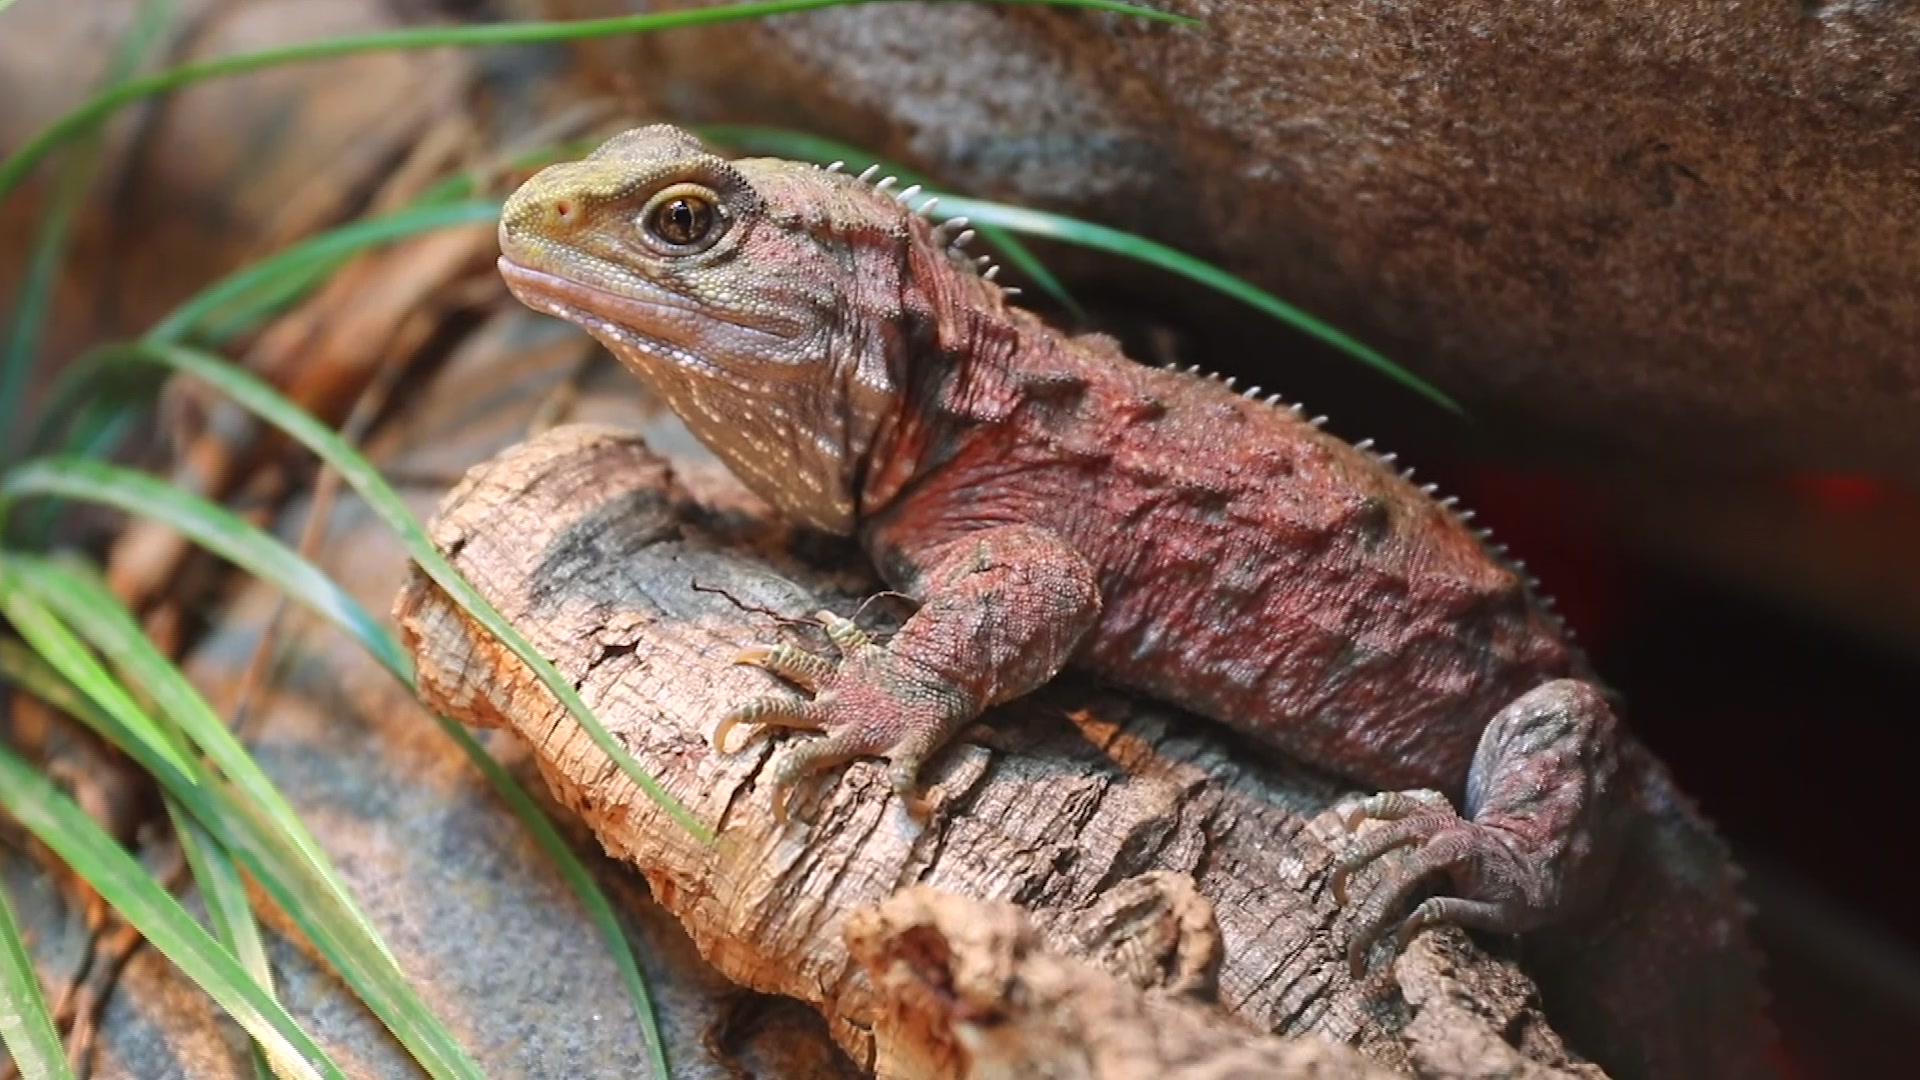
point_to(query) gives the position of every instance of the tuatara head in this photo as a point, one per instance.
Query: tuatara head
(769, 302)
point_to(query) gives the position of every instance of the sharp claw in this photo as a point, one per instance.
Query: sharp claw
(718, 740)
(769, 712)
(1408, 929)
(781, 794)
(755, 655)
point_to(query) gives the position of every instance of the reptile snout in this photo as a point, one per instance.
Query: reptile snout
(546, 207)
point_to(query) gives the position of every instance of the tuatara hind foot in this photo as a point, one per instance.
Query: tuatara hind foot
(1542, 830)
(1443, 843)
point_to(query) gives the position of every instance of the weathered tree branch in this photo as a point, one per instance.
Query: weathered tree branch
(642, 585)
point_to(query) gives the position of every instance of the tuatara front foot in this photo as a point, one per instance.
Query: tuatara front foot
(870, 702)
(1542, 831)
(1001, 609)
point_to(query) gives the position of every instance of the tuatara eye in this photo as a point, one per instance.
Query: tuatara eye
(682, 219)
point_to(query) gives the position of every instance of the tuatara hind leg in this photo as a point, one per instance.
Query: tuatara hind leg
(1000, 612)
(1543, 824)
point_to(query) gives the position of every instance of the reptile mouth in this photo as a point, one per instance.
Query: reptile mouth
(606, 315)
(530, 284)
(592, 305)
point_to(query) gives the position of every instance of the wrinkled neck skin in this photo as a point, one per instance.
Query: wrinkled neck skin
(959, 372)
(831, 417)
(799, 424)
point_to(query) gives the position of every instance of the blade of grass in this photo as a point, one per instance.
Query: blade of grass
(1102, 238)
(332, 244)
(60, 824)
(25, 1025)
(80, 600)
(81, 381)
(23, 160)
(801, 146)
(232, 917)
(273, 860)
(42, 631)
(265, 402)
(50, 239)
(307, 266)
(254, 550)
(213, 527)
(212, 868)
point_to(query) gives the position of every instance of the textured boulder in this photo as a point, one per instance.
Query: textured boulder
(1681, 228)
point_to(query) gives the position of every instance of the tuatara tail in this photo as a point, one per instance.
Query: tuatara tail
(1662, 981)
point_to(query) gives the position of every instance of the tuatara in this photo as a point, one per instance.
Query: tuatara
(1049, 502)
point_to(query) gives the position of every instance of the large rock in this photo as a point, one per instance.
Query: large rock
(1682, 228)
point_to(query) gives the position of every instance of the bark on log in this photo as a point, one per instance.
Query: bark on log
(1107, 819)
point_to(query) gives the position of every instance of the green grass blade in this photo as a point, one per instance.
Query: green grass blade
(226, 900)
(82, 381)
(226, 897)
(259, 553)
(225, 894)
(333, 244)
(1102, 238)
(23, 160)
(801, 146)
(60, 824)
(265, 402)
(336, 929)
(50, 239)
(84, 604)
(43, 630)
(25, 1025)
(213, 527)
(25, 669)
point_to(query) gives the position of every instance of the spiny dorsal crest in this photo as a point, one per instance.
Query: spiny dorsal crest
(953, 234)
(1449, 503)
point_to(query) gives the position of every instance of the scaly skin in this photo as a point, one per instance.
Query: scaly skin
(1050, 503)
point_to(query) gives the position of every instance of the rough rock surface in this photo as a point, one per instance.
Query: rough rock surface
(1677, 227)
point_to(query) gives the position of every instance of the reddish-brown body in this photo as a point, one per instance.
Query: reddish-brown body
(1252, 568)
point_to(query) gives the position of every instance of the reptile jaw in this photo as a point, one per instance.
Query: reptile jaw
(615, 319)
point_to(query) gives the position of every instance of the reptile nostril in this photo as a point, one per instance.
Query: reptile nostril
(563, 209)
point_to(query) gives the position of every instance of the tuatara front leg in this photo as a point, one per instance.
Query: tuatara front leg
(1544, 821)
(1000, 612)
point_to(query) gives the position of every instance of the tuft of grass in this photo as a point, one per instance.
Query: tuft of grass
(263, 401)
(58, 822)
(347, 943)
(252, 549)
